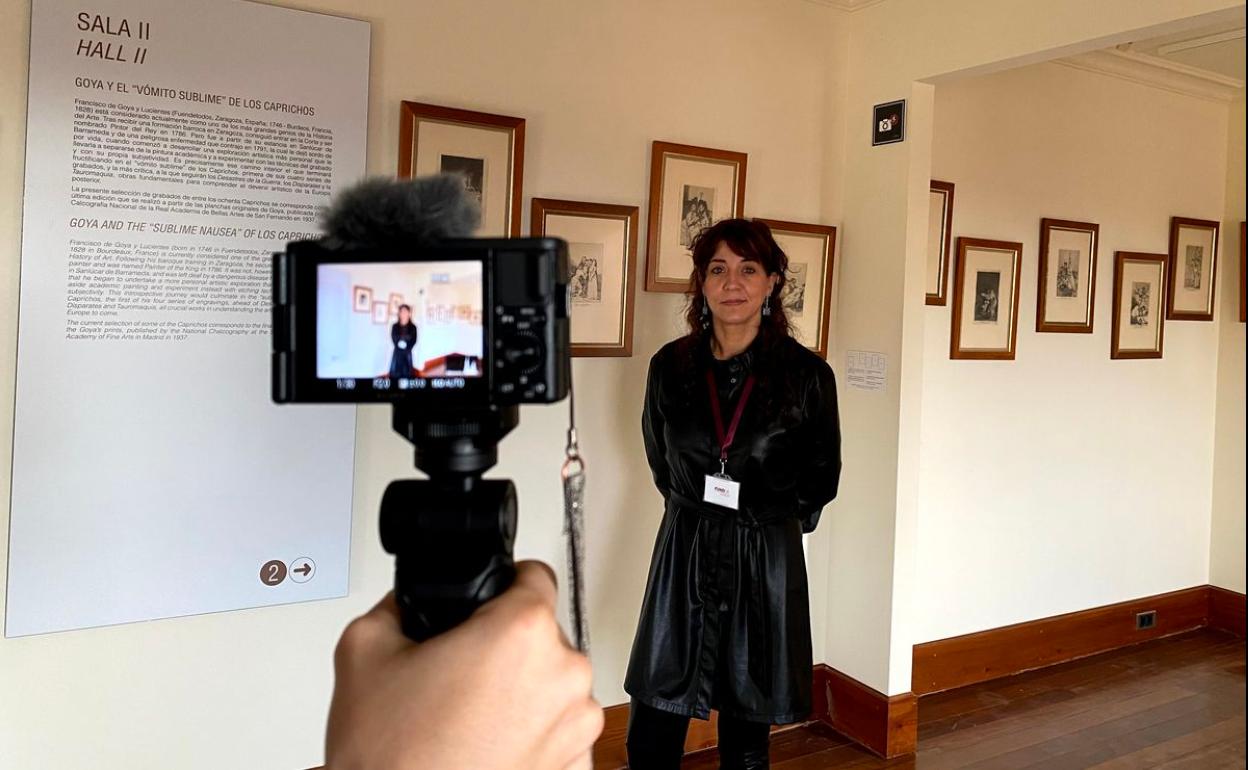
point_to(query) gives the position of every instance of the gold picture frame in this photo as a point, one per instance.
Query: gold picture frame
(690, 189)
(486, 149)
(1140, 296)
(981, 331)
(939, 239)
(602, 254)
(811, 250)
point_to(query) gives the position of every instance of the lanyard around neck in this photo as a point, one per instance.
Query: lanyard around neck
(726, 437)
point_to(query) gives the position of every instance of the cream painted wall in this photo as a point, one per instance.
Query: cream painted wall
(792, 83)
(597, 82)
(1065, 480)
(872, 537)
(1226, 553)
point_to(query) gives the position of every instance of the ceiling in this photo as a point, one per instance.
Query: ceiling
(1217, 50)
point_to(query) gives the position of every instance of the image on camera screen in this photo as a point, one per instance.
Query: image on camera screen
(398, 325)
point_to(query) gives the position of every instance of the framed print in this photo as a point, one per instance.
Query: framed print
(889, 123)
(807, 289)
(362, 299)
(691, 188)
(985, 299)
(396, 301)
(602, 269)
(1066, 285)
(939, 238)
(487, 151)
(381, 313)
(1139, 317)
(1193, 269)
(1243, 278)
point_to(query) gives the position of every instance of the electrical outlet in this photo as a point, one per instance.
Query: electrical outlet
(1145, 620)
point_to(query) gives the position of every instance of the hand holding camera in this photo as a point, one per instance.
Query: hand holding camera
(493, 682)
(466, 698)
(492, 319)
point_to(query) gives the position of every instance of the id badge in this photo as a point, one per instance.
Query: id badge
(722, 491)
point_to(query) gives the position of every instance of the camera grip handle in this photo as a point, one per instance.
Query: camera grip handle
(429, 605)
(453, 548)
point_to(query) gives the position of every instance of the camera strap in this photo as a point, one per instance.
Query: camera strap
(573, 475)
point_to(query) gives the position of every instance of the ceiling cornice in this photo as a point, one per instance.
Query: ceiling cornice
(1225, 36)
(1157, 72)
(846, 5)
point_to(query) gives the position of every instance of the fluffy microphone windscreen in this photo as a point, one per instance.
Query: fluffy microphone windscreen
(392, 212)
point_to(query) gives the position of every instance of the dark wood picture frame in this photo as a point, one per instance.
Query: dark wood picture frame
(1243, 278)
(1047, 225)
(828, 233)
(410, 115)
(959, 287)
(945, 189)
(358, 293)
(659, 151)
(1177, 223)
(630, 215)
(1120, 260)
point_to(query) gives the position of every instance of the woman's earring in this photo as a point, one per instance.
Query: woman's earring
(767, 307)
(706, 314)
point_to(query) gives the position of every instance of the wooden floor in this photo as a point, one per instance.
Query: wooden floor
(1175, 703)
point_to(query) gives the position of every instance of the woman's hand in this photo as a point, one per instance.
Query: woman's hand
(502, 690)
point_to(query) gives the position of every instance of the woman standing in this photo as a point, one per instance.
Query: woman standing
(743, 437)
(403, 334)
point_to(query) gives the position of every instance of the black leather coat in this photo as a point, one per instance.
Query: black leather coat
(725, 622)
(401, 365)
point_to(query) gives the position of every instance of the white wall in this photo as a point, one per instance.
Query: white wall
(894, 50)
(597, 82)
(1065, 480)
(1226, 555)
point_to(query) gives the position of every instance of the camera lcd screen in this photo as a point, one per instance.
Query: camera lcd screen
(400, 326)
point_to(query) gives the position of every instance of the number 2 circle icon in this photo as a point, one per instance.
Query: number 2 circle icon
(273, 572)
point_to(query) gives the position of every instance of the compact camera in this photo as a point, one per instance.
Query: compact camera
(462, 324)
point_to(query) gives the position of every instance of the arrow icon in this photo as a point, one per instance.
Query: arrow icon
(302, 569)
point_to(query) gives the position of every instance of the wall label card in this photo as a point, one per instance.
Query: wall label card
(866, 370)
(171, 148)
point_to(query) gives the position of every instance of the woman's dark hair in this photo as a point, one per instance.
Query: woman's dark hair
(408, 308)
(752, 241)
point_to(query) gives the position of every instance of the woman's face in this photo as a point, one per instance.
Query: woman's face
(405, 316)
(735, 288)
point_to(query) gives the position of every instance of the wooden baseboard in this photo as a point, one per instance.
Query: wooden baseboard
(1226, 610)
(609, 752)
(963, 660)
(886, 725)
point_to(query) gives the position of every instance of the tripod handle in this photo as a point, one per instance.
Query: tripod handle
(452, 549)
(429, 607)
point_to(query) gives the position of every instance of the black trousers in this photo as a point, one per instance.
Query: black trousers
(656, 740)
